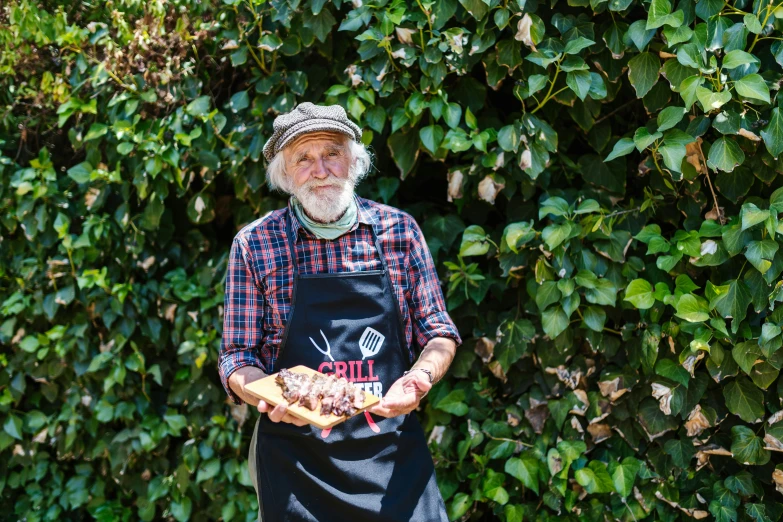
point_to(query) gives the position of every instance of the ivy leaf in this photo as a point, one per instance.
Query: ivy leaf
(669, 117)
(751, 215)
(725, 154)
(579, 82)
(773, 133)
(624, 476)
(734, 302)
(553, 235)
(753, 86)
(737, 58)
(660, 14)
(594, 478)
(640, 294)
(625, 146)
(671, 370)
(525, 469)
(474, 242)
(681, 451)
(595, 318)
(554, 321)
(431, 137)
(744, 399)
(643, 70)
(198, 107)
(747, 448)
(692, 308)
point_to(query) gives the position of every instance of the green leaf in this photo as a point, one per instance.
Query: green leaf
(643, 72)
(547, 294)
(671, 370)
(737, 58)
(96, 131)
(554, 321)
(577, 44)
(182, 510)
(208, 470)
(595, 318)
(761, 253)
(751, 215)
(746, 354)
(474, 242)
(643, 139)
(669, 117)
(13, 426)
(744, 399)
(199, 107)
(432, 137)
(624, 476)
(725, 154)
(579, 82)
(81, 173)
(404, 148)
(681, 451)
(640, 294)
(595, 478)
(553, 235)
(525, 469)
(747, 448)
(692, 308)
(773, 133)
(453, 403)
(733, 302)
(625, 146)
(604, 293)
(753, 86)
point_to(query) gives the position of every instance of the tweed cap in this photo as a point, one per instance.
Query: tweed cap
(308, 117)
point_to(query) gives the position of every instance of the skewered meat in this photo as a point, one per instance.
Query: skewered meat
(337, 396)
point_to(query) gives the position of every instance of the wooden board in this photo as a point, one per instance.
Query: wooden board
(268, 390)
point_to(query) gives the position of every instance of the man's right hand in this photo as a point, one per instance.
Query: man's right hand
(279, 413)
(247, 374)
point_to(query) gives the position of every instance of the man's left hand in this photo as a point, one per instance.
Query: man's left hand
(404, 395)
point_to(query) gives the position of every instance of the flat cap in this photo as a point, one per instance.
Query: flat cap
(308, 117)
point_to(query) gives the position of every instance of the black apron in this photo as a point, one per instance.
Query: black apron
(367, 468)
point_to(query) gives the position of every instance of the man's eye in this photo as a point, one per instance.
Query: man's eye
(333, 154)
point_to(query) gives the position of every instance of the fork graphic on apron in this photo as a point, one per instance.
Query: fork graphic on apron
(328, 351)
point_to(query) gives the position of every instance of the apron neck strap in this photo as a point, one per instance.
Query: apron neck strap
(292, 247)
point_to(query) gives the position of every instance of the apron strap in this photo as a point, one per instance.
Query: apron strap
(292, 247)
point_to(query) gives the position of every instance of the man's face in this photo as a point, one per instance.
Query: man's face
(318, 166)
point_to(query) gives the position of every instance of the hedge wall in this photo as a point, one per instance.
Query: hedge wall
(597, 180)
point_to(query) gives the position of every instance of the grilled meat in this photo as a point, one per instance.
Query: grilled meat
(338, 396)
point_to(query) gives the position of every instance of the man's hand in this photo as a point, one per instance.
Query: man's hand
(279, 413)
(247, 374)
(404, 395)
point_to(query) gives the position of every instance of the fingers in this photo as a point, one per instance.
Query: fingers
(280, 414)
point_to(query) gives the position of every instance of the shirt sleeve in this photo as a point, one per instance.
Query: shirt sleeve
(427, 305)
(243, 313)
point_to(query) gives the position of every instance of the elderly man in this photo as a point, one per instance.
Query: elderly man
(347, 286)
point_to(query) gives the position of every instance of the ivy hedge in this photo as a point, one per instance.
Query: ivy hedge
(598, 181)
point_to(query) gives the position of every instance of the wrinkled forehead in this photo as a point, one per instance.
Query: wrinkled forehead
(313, 141)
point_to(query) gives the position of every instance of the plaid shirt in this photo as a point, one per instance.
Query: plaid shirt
(259, 281)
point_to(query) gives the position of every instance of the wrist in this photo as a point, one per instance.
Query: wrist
(427, 374)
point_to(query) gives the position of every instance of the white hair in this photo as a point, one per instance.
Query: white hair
(361, 162)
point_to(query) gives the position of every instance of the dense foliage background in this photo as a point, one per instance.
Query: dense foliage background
(597, 180)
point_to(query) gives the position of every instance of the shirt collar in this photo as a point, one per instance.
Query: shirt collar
(367, 214)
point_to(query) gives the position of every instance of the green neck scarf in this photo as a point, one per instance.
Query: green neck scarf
(327, 230)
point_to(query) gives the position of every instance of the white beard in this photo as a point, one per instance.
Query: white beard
(331, 204)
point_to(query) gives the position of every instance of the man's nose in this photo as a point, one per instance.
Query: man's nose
(319, 169)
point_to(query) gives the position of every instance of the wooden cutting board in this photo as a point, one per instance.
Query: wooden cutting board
(271, 392)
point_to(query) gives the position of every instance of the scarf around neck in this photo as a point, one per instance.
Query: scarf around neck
(327, 230)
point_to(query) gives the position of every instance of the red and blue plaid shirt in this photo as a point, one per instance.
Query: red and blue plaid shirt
(260, 279)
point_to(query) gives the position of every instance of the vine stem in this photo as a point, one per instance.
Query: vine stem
(427, 16)
(721, 217)
(549, 92)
